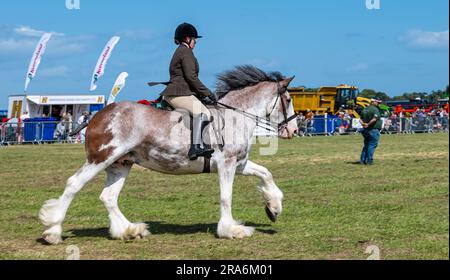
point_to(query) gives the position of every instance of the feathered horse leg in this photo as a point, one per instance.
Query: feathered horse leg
(228, 227)
(273, 196)
(120, 227)
(54, 211)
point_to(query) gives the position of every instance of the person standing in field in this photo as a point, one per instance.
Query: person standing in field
(372, 124)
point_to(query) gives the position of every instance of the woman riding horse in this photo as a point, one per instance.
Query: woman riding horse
(185, 87)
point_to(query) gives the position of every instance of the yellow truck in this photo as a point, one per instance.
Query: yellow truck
(325, 100)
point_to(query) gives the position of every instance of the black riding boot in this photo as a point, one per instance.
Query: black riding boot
(198, 148)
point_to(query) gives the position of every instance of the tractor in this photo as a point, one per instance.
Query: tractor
(331, 100)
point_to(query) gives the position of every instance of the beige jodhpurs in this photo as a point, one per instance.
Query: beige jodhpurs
(189, 103)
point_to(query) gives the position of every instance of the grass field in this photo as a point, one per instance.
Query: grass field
(332, 209)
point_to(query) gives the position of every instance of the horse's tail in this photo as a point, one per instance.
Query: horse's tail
(78, 129)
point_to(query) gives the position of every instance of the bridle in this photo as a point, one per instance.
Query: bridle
(282, 125)
(266, 123)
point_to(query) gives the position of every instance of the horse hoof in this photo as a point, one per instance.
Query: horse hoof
(271, 215)
(241, 232)
(234, 231)
(136, 231)
(52, 239)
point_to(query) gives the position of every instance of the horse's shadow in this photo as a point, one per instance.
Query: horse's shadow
(163, 228)
(157, 228)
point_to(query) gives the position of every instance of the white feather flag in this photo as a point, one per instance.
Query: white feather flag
(103, 59)
(36, 59)
(118, 86)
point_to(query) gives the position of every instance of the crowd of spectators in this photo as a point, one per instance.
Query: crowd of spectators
(404, 122)
(305, 123)
(418, 121)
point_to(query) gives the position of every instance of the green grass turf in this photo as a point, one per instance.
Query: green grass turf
(332, 209)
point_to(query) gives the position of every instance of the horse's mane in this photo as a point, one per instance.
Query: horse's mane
(243, 76)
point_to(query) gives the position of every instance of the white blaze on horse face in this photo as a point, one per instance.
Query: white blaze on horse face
(275, 109)
(292, 127)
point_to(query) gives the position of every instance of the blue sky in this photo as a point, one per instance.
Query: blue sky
(402, 47)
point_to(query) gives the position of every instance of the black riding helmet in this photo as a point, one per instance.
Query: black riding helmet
(185, 30)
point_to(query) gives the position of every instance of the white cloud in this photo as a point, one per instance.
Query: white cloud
(426, 39)
(358, 67)
(15, 46)
(23, 40)
(12, 45)
(30, 32)
(58, 71)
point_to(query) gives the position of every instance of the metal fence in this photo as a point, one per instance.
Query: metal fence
(13, 133)
(428, 124)
(328, 126)
(344, 126)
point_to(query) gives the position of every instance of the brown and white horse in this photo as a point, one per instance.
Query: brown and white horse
(123, 134)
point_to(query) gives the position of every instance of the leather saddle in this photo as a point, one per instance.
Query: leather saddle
(164, 105)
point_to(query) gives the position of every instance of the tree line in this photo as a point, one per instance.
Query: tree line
(431, 97)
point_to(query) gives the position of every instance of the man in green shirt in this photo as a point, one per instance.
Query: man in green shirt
(372, 124)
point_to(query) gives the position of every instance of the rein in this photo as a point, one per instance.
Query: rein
(260, 121)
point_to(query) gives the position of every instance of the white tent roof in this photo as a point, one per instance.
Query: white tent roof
(66, 99)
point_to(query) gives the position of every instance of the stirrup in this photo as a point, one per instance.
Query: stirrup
(197, 151)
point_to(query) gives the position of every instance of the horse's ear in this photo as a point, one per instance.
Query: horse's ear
(285, 83)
